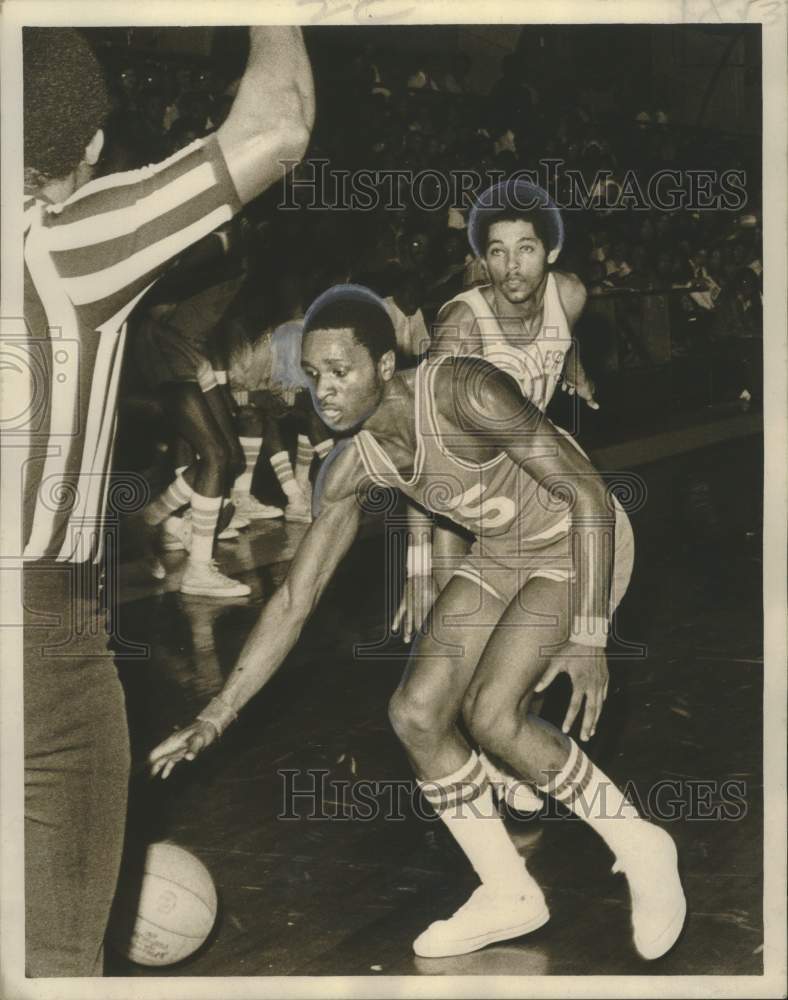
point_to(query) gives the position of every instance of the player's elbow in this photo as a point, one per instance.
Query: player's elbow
(293, 139)
(591, 496)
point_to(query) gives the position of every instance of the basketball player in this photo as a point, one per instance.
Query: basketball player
(170, 339)
(531, 599)
(521, 322)
(92, 248)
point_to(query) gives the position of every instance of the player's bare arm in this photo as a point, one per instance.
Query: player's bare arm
(573, 295)
(449, 546)
(435, 548)
(452, 333)
(272, 116)
(489, 401)
(279, 626)
(418, 593)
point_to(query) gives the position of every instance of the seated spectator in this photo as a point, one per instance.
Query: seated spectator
(456, 80)
(404, 305)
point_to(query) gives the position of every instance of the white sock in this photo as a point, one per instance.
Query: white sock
(464, 802)
(251, 449)
(175, 496)
(284, 473)
(591, 795)
(205, 514)
(322, 448)
(304, 455)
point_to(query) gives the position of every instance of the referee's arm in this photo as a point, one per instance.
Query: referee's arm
(271, 118)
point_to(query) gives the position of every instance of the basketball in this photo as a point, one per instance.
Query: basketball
(165, 906)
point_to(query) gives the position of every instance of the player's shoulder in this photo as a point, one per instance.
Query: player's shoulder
(571, 291)
(453, 326)
(462, 384)
(340, 473)
(455, 308)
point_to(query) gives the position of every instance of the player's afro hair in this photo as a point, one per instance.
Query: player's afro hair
(515, 198)
(356, 308)
(65, 100)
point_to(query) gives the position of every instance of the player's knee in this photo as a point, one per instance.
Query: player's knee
(413, 718)
(237, 462)
(490, 716)
(249, 423)
(214, 453)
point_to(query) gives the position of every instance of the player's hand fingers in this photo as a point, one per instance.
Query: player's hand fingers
(173, 744)
(548, 676)
(600, 704)
(408, 626)
(168, 767)
(592, 403)
(425, 606)
(398, 614)
(590, 715)
(194, 746)
(158, 766)
(574, 708)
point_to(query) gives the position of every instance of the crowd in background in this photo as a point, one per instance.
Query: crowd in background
(662, 284)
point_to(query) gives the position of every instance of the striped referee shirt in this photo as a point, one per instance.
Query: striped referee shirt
(88, 261)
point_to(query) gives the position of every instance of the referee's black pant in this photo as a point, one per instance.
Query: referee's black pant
(76, 776)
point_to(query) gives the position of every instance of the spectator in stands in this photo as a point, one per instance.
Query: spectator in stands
(456, 81)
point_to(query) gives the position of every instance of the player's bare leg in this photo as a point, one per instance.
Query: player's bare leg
(496, 709)
(424, 712)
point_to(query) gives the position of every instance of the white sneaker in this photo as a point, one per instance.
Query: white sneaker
(227, 533)
(250, 507)
(239, 522)
(659, 906)
(150, 538)
(515, 792)
(179, 535)
(176, 534)
(205, 579)
(157, 569)
(298, 512)
(489, 915)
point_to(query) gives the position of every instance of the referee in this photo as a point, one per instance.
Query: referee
(92, 248)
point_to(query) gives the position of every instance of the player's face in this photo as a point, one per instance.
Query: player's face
(516, 259)
(345, 383)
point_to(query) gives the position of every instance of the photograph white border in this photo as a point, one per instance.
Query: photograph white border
(772, 15)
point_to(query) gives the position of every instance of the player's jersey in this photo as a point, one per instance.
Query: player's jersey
(535, 364)
(506, 509)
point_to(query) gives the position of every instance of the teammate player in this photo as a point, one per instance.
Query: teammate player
(531, 599)
(521, 322)
(92, 248)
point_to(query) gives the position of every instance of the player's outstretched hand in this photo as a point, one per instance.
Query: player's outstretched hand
(184, 744)
(583, 386)
(587, 669)
(418, 597)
